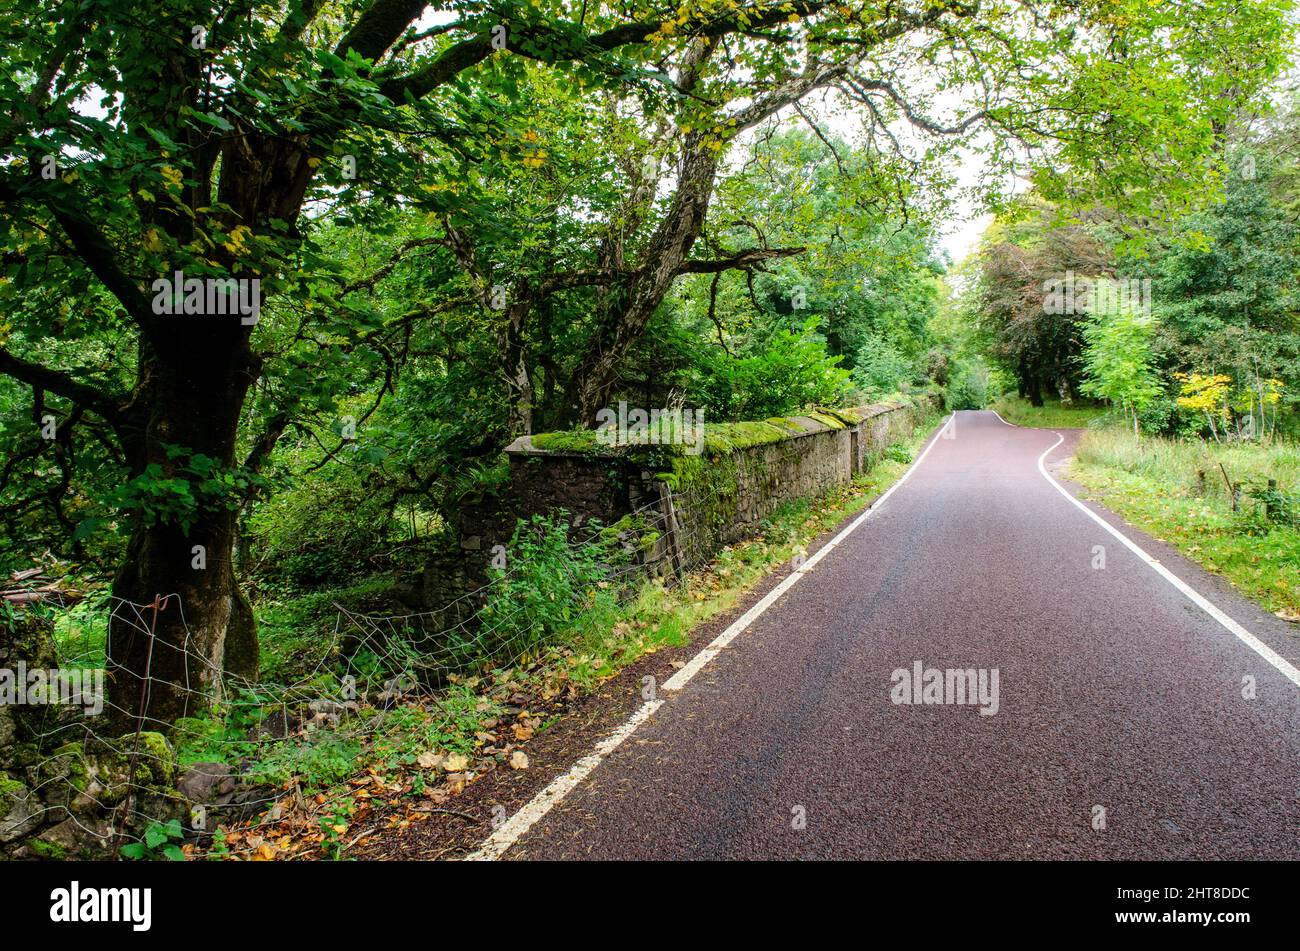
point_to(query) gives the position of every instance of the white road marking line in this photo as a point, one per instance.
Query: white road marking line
(680, 679)
(513, 828)
(1283, 666)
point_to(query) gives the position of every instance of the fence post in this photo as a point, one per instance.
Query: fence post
(671, 529)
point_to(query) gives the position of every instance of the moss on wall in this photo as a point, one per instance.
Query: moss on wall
(724, 484)
(718, 437)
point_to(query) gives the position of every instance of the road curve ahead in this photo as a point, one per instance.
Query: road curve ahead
(1126, 725)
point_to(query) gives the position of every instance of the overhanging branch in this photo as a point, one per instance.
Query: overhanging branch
(98, 401)
(741, 259)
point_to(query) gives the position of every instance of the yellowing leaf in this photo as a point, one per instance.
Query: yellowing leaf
(455, 763)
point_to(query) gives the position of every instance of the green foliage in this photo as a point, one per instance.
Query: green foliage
(449, 726)
(790, 372)
(196, 484)
(323, 528)
(897, 452)
(322, 759)
(552, 589)
(1118, 362)
(159, 841)
(882, 370)
(1273, 505)
(968, 387)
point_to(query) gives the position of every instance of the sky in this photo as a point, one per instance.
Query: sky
(960, 237)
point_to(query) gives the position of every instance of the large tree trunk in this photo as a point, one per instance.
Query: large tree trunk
(635, 301)
(193, 386)
(1035, 388)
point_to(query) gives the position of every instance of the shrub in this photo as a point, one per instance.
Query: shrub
(552, 588)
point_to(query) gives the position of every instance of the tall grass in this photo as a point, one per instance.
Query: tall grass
(1051, 415)
(1194, 467)
(1177, 491)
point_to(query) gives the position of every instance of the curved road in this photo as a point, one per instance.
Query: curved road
(1123, 726)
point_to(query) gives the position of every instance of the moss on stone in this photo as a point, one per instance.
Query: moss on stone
(155, 765)
(828, 419)
(73, 758)
(10, 791)
(47, 850)
(579, 441)
(718, 437)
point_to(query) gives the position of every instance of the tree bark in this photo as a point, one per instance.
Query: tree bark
(634, 301)
(193, 382)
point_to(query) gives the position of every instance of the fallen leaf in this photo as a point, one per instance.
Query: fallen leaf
(518, 760)
(429, 760)
(455, 762)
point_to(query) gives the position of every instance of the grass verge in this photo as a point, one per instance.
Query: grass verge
(1051, 415)
(1177, 491)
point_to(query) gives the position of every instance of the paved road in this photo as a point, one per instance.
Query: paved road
(1115, 693)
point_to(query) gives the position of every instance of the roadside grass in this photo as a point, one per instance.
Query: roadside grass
(1051, 415)
(1154, 484)
(389, 768)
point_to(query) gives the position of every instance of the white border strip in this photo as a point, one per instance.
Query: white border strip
(1250, 640)
(514, 828)
(680, 679)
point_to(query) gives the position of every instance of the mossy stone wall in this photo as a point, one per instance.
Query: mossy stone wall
(715, 497)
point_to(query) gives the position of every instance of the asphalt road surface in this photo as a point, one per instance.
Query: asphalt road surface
(1125, 725)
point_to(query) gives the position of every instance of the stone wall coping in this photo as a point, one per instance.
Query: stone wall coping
(806, 426)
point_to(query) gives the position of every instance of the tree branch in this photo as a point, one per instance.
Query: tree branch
(100, 402)
(380, 27)
(570, 45)
(741, 259)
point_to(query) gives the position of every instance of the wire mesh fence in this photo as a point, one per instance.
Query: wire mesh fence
(86, 787)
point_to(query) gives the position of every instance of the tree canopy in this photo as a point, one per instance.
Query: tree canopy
(249, 245)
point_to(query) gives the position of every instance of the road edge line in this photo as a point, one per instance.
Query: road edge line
(697, 663)
(510, 831)
(1283, 666)
(513, 828)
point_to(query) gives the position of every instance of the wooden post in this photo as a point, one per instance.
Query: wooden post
(672, 530)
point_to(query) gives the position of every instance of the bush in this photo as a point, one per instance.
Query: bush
(791, 372)
(323, 530)
(968, 387)
(551, 589)
(882, 369)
